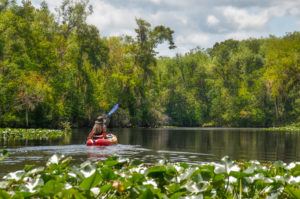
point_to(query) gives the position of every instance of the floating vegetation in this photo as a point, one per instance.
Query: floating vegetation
(118, 177)
(3, 155)
(30, 134)
(285, 128)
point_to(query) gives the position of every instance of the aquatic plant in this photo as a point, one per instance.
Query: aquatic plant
(66, 126)
(30, 134)
(285, 128)
(119, 177)
(3, 155)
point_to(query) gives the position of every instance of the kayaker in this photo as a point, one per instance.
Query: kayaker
(99, 127)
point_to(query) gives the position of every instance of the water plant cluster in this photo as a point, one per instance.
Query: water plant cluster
(291, 128)
(119, 177)
(30, 134)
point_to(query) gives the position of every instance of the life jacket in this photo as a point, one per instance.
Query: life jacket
(102, 132)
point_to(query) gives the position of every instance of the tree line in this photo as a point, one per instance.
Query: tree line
(55, 67)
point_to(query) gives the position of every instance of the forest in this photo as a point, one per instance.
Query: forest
(57, 68)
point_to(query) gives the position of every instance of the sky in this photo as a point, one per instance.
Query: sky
(196, 23)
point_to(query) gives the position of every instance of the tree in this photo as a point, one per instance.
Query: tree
(282, 75)
(30, 94)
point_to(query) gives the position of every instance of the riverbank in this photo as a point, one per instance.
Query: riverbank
(119, 177)
(31, 134)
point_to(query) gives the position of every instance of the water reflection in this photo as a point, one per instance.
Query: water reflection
(240, 144)
(192, 145)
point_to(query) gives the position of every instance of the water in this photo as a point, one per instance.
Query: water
(191, 145)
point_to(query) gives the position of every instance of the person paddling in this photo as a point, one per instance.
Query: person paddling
(99, 128)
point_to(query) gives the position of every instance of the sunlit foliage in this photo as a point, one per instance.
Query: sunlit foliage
(55, 67)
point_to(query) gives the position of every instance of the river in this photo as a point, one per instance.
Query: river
(191, 145)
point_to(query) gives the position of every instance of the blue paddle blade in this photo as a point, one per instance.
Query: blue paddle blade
(112, 110)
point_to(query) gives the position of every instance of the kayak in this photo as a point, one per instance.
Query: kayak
(110, 139)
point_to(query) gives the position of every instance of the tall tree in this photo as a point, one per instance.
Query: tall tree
(283, 75)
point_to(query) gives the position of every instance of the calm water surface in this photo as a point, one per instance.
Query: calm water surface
(192, 145)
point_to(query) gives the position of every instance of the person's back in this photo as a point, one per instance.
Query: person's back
(99, 127)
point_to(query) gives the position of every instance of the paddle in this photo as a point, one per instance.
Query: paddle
(112, 110)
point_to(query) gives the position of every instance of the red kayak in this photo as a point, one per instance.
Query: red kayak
(110, 139)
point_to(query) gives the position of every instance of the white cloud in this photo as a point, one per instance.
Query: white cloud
(195, 22)
(155, 1)
(295, 11)
(245, 20)
(195, 39)
(112, 21)
(212, 20)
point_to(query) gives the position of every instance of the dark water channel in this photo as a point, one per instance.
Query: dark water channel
(192, 145)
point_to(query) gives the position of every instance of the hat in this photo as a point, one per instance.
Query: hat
(100, 119)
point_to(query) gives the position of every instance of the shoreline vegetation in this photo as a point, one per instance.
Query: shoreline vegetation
(54, 66)
(119, 177)
(294, 127)
(284, 128)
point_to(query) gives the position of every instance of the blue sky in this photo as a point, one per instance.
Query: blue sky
(195, 22)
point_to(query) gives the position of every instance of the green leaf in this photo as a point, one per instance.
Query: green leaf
(72, 193)
(156, 172)
(177, 195)
(296, 170)
(105, 188)
(4, 195)
(171, 171)
(3, 155)
(206, 174)
(111, 163)
(52, 187)
(20, 195)
(218, 178)
(4, 152)
(173, 188)
(28, 167)
(107, 173)
(184, 165)
(91, 181)
(238, 175)
(136, 178)
(135, 163)
(197, 177)
(147, 194)
(293, 192)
